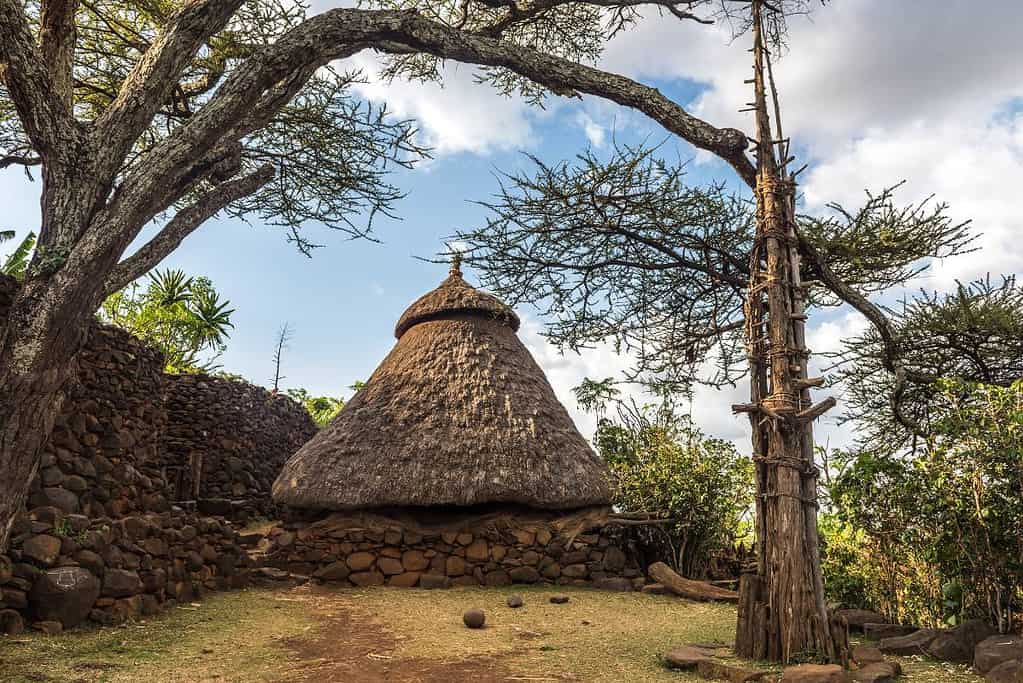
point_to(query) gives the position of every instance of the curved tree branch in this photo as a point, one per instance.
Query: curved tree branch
(893, 357)
(44, 117)
(156, 74)
(341, 33)
(184, 224)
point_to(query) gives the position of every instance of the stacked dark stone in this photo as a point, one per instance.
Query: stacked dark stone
(102, 457)
(373, 550)
(69, 567)
(236, 435)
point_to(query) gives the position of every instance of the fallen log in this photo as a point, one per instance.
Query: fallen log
(688, 588)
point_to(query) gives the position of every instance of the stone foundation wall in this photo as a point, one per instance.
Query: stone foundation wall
(226, 442)
(66, 568)
(372, 550)
(99, 539)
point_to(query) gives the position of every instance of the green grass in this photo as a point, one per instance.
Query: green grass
(285, 634)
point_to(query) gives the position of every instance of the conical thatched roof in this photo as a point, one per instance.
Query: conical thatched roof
(458, 413)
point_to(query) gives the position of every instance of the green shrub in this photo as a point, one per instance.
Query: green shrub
(660, 462)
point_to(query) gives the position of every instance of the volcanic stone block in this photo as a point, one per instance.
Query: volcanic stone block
(43, 549)
(65, 595)
(406, 580)
(361, 561)
(477, 551)
(992, 651)
(11, 623)
(814, 673)
(524, 575)
(121, 583)
(914, 644)
(390, 566)
(434, 581)
(373, 578)
(455, 566)
(414, 560)
(957, 644)
(335, 571)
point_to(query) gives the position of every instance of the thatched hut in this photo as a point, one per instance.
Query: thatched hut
(458, 413)
(455, 464)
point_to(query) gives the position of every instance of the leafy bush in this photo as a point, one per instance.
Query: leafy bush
(943, 523)
(322, 409)
(182, 316)
(660, 462)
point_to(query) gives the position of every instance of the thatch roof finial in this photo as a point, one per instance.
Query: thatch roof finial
(456, 264)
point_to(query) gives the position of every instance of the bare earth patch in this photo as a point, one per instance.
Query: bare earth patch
(313, 634)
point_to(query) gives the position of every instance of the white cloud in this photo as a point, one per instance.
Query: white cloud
(595, 133)
(458, 115)
(977, 169)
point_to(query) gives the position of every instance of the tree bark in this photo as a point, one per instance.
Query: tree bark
(782, 615)
(38, 342)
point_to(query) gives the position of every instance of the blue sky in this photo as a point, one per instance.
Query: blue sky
(868, 90)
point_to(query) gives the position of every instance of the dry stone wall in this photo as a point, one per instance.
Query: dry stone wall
(371, 550)
(100, 538)
(226, 442)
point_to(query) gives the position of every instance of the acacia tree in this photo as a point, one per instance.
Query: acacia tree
(177, 127)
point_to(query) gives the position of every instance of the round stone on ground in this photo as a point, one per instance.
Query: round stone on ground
(515, 601)
(474, 618)
(559, 599)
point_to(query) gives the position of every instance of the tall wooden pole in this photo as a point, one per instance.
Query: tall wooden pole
(782, 614)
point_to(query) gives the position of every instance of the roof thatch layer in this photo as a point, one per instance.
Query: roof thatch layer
(458, 413)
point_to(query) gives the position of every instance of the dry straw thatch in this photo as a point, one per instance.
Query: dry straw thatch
(458, 413)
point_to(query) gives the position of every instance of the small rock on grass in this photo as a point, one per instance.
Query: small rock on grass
(515, 601)
(814, 673)
(559, 599)
(686, 657)
(474, 618)
(50, 628)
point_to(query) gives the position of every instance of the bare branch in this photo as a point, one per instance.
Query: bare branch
(182, 225)
(19, 160)
(343, 32)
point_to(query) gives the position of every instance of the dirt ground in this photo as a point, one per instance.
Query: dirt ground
(317, 634)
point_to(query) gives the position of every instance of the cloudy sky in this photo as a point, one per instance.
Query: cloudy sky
(874, 92)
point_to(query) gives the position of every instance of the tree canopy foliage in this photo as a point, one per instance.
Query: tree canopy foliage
(16, 263)
(322, 409)
(945, 521)
(621, 247)
(182, 316)
(974, 334)
(331, 149)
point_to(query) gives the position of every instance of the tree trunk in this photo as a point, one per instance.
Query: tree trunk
(782, 615)
(38, 341)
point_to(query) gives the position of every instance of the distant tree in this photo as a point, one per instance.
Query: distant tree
(973, 334)
(322, 409)
(17, 262)
(954, 505)
(283, 337)
(182, 316)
